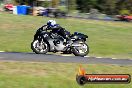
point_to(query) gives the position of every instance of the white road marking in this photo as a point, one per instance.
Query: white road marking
(2, 51)
(114, 58)
(66, 55)
(86, 56)
(99, 57)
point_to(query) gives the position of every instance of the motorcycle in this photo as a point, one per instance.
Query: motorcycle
(45, 41)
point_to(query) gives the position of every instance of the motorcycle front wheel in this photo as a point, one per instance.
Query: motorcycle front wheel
(82, 50)
(39, 47)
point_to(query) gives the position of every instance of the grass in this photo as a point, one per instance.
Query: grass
(54, 75)
(106, 39)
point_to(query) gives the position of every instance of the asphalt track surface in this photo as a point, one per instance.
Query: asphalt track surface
(32, 57)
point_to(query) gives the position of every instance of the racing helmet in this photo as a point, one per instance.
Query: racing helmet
(51, 23)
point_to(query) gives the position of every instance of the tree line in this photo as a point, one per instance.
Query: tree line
(110, 7)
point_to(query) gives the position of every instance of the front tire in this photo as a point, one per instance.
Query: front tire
(39, 47)
(84, 48)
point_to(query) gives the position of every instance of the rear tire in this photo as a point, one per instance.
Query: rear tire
(77, 53)
(44, 47)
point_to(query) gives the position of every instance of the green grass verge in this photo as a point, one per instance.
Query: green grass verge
(54, 75)
(106, 39)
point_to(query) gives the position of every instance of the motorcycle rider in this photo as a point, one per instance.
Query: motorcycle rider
(56, 28)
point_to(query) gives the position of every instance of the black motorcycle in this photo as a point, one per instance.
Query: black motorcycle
(45, 41)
